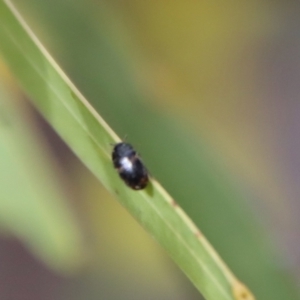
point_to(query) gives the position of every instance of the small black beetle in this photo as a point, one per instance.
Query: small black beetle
(130, 166)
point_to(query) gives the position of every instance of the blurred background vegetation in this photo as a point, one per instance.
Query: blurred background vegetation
(208, 94)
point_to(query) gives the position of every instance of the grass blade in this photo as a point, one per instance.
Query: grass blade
(90, 138)
(32, 206)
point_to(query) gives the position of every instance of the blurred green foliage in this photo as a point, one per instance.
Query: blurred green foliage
(178, 79)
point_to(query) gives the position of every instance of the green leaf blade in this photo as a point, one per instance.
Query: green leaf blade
(32, 205)
(91, 139)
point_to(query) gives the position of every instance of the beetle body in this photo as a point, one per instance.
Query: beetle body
(129, 166)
